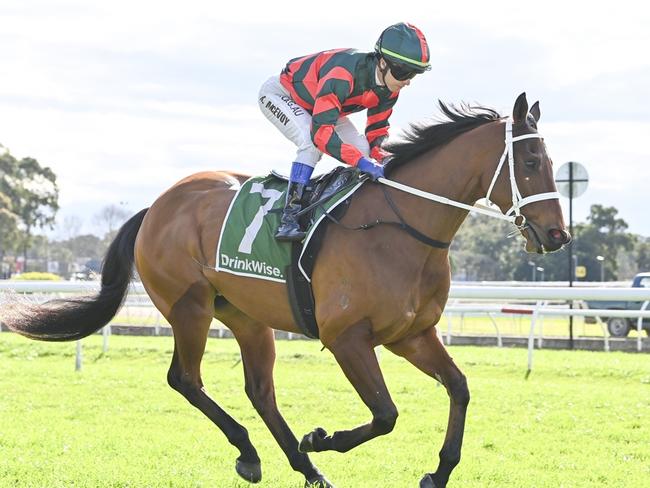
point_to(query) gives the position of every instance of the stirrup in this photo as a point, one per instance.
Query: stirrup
(288, 232)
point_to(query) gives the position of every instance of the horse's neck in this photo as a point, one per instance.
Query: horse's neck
(459, 171)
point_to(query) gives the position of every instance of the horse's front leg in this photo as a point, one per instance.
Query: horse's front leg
(427, 353)
(355, 354)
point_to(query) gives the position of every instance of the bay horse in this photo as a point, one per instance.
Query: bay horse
(377, 287)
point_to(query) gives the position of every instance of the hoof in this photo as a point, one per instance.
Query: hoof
(427, 482)
(251, 472)
(312, 441)
(318, 482)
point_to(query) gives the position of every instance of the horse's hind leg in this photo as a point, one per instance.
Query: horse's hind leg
(257, 345)
(190, 318)
(426, 352)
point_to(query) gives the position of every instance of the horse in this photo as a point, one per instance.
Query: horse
(379, 287)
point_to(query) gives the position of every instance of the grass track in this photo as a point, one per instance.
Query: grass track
(581, 420)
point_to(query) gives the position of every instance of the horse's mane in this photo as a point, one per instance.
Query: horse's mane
(422, 137)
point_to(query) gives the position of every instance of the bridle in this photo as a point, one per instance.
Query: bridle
(517, 200)
(513, 215)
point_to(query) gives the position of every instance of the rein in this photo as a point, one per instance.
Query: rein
(513, 215)
(412, 231)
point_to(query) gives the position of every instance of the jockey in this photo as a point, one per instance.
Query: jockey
(308, 102)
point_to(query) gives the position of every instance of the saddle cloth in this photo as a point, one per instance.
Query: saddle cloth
(247, 246)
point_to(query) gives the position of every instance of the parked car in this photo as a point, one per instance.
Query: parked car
(85, 275)
(621, 326)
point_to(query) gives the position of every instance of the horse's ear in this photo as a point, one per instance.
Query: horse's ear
(534, 111)
(521, 109)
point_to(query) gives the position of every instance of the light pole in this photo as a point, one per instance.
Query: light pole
(601, 259)
(532, 269)
(541, 270)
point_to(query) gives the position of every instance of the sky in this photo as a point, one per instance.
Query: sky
(123, 98)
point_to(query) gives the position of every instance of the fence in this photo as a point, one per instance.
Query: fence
(541, 296)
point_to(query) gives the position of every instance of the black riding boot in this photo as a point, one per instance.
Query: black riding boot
(289, 229)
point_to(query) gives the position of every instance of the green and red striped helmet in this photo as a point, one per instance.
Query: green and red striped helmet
(404, 44)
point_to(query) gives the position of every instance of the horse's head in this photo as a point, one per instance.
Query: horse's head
(531, 194)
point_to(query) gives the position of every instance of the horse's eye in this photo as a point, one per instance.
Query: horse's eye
(531, 163)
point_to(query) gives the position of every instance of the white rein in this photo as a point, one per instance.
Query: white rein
(513, 215)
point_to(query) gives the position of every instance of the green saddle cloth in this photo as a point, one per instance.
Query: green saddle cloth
(247, 246)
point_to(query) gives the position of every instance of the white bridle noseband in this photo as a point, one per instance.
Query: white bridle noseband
(513, 215)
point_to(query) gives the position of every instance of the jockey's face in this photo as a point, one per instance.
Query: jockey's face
(385, 74)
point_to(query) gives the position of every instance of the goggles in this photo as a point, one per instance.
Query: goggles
(401, 72)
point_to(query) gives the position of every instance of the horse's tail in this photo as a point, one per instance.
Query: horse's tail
(75, 318)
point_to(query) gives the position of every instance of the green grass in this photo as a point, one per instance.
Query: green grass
(581, 420)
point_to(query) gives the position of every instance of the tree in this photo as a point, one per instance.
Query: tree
(8, 219)
(8, 232)
(71, 227)
(605, 221)
(110, 218)
(603, 235)
(481, 250)
(86, 246)
(33, 193)
(642, 253)
(8, 224)
(78, 250)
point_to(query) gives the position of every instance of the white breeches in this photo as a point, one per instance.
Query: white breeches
(295, 123)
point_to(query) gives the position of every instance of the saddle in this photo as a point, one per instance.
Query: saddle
(320, 189)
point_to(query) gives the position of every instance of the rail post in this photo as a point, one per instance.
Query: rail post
(78, 357)
(639, 327)
(531, 336)
(106, 331)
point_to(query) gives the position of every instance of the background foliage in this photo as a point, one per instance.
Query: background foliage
(481, 251)
(28, 201)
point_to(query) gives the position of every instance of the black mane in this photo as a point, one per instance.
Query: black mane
(424, 137)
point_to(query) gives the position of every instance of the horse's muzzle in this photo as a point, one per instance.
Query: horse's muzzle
(542, 241)
(559, 237)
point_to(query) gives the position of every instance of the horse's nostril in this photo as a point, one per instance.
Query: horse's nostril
(559, 235)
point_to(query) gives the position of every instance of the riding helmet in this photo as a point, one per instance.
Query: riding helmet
(404, 44)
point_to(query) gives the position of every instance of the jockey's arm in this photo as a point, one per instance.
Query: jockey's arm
(328, 105)
(377, 127)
